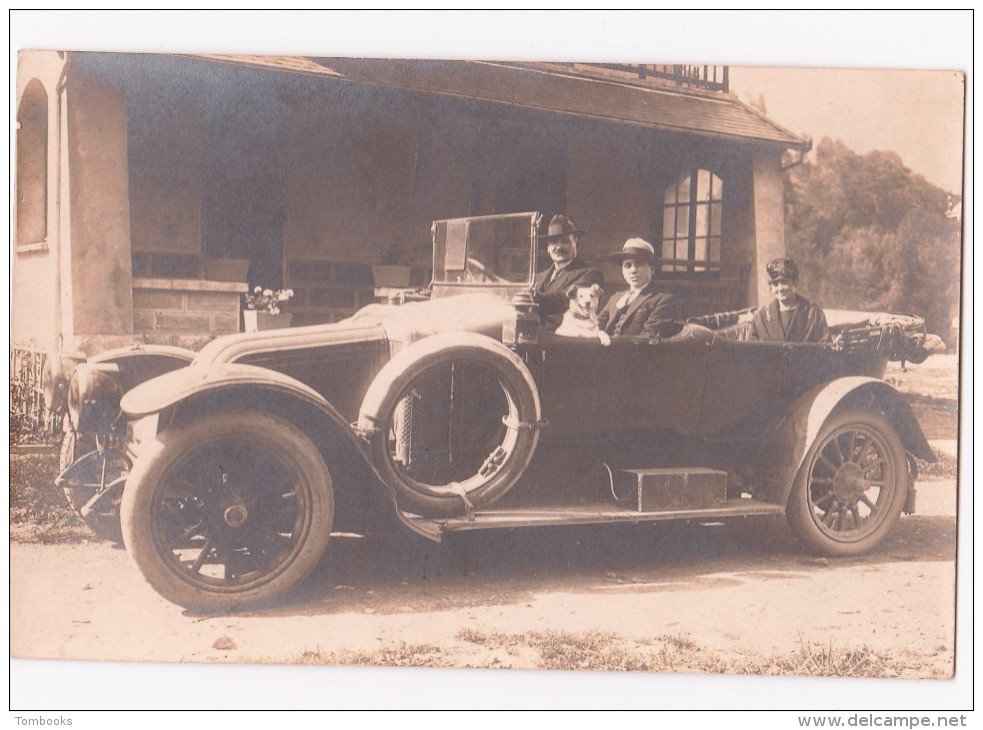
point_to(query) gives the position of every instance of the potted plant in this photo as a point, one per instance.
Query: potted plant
(263, 309)
(392, 271)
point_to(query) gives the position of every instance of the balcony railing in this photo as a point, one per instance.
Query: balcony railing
(709, 78)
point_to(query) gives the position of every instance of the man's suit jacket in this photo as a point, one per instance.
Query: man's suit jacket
(552, 295)
(651, 314)
(808, 324)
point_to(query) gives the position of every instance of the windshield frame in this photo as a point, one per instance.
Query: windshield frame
(443, 285)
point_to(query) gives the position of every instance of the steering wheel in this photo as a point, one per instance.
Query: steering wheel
(477, 271)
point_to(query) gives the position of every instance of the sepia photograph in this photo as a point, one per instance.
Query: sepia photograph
(552, 371)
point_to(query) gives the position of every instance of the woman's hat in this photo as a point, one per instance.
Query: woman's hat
(635, 248)
(784, 269)
(560, 226)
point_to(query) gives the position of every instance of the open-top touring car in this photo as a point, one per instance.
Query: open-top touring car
(456, 410)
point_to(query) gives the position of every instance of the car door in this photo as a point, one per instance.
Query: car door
(663, 383)
(580, 385)
(743, 389)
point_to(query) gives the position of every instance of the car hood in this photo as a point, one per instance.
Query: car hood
(397, 324)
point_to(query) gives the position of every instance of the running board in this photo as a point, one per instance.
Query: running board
(593, 514)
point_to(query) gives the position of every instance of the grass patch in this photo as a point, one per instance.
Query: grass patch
(944, 467)
(610, 652)
(39, 511)
(397, 655)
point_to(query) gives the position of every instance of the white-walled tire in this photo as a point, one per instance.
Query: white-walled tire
(227, 511)
(457, 418)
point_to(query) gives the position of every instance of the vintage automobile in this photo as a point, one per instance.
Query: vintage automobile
(455, 410)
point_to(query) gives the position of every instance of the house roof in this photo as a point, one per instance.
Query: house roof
(708, 114)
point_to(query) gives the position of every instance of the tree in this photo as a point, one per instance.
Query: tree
(868, 233)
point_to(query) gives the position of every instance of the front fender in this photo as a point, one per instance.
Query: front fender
(198, 390)
(187, 384)
(797, 432)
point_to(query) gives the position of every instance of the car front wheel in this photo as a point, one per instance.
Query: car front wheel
(228, 511)
(851, 486)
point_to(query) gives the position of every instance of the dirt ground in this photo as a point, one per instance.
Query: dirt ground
(737, 597)
(737, 589)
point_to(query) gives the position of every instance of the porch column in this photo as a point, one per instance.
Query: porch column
(101, 267)
(769, 223)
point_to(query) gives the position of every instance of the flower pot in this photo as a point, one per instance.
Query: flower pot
(256, 321)
(391, 275)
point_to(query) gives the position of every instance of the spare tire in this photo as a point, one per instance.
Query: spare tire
(453, 421)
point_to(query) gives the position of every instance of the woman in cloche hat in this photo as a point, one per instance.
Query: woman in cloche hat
(790, 317)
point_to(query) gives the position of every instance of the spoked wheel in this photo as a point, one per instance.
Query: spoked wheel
(94, 488)
(852, 485)
(228, 511)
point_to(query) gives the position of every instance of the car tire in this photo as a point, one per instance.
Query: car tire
(227, 511)
(851, 486)
(499, 457)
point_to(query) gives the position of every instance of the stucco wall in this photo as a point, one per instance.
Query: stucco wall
(34, 262)
(610, 192)
(101, 279)
(769, 223)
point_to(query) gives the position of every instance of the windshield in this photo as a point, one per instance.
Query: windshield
(494, 249)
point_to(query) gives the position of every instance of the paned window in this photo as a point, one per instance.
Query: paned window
(691, 217)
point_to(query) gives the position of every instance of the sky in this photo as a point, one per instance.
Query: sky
(918, 114)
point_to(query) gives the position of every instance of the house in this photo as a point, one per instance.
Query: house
(154, 190)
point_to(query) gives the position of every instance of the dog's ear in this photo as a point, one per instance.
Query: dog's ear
(572, 291)
(596, 288)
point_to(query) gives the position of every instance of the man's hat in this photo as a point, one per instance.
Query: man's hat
(635, 248)
(560, 227)
(782, 269)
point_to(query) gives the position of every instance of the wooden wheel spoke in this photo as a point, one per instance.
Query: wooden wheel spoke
(202, 556)
(864, 451)
(837, 451)
(858, 520)
(866, 501)
(824, 499)
(852, 445)
(226, 560)
(870, 467)
(185, 534)
(827, 463)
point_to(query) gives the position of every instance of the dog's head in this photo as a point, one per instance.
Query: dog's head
(586, 299)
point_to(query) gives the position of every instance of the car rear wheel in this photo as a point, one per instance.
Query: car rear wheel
(851, 486)
(228, 511)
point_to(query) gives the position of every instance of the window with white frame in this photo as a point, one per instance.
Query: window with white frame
(691, 221)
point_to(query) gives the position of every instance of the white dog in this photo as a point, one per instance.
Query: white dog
(580, 319)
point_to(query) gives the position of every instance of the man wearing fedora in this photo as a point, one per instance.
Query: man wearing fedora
(567, 269)
(641, 311)
(789, 317)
